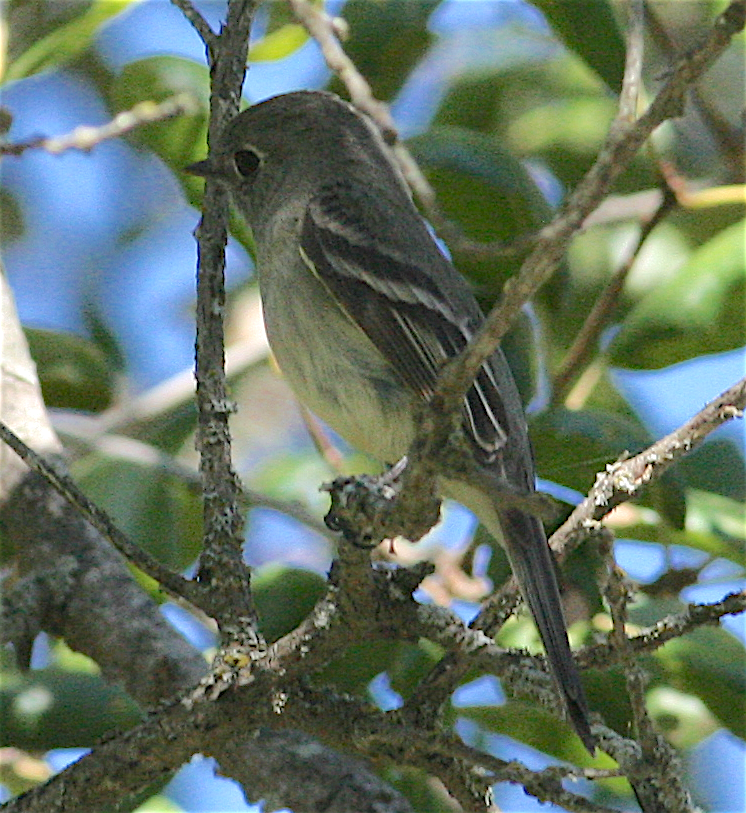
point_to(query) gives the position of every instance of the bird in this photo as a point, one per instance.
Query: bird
(362, 310)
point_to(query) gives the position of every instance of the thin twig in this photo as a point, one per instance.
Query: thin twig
(673, 626)
(221, 563)
(85, 432)
(586, 341)
(327, 31)
(728, 136)
(624, 479)
(621, 481)
(658, 786)
(618, 595)
(55, 475)
(621, 144)
(200, 25)
(85, 138)
(632, 79)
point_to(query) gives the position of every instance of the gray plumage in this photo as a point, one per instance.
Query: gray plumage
(362, 309)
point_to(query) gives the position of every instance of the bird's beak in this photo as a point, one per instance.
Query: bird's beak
(209, 168)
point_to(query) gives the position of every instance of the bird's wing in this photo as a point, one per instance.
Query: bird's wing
(400, 292)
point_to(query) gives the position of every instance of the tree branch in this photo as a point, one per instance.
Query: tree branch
(85, 138)
(624, 479)
(221, 566)
(56, 475)
(622, 143)
(586, 341)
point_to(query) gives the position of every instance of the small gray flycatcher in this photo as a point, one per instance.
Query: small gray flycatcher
(362, 310)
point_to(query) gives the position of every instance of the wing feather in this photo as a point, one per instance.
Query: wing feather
(398, 303)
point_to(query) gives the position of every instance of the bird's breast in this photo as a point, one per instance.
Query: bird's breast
(332, 366)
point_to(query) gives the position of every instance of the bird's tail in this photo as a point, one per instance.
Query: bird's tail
(533, 565)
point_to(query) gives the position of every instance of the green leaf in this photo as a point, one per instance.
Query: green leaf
(494, 196)
(74, 372)
(152, 506)
(682, 718)
(725, 518)
(284, 596)
(418, 787)
(699, 310)
(529, 723)
(181, 140)
(52, 708)
(483, 188)
(178, 141)
(167, 430)
(716, 466)
(571, 446)
(65, 43)
(413, 662)
(386, 41)
(11, 218)
(709, 541)
(279, 44)
(590, 29)
(353, 670)
(708, 663)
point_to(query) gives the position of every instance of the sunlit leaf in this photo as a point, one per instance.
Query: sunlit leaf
(531, 724)
(177, 141)
(698, 310)
(708, 663)
(279, 44)
(65, 43)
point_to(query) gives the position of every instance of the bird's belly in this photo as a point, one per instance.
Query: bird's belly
(337, 373)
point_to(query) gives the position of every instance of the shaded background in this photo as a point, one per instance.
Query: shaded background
(505, 109)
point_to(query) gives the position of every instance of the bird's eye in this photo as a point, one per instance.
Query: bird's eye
(247, 162)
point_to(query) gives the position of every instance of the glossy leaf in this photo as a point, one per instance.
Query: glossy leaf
(279, 44)
(699, 310)
(488, 179)
(153, 507)
(572, 446)
(590, 29)
(485, 190)
(74, 372)
(708, 662)
(64, 43)
(386, 40)
(52, 708)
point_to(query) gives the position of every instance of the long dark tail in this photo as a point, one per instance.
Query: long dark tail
(533, 565)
